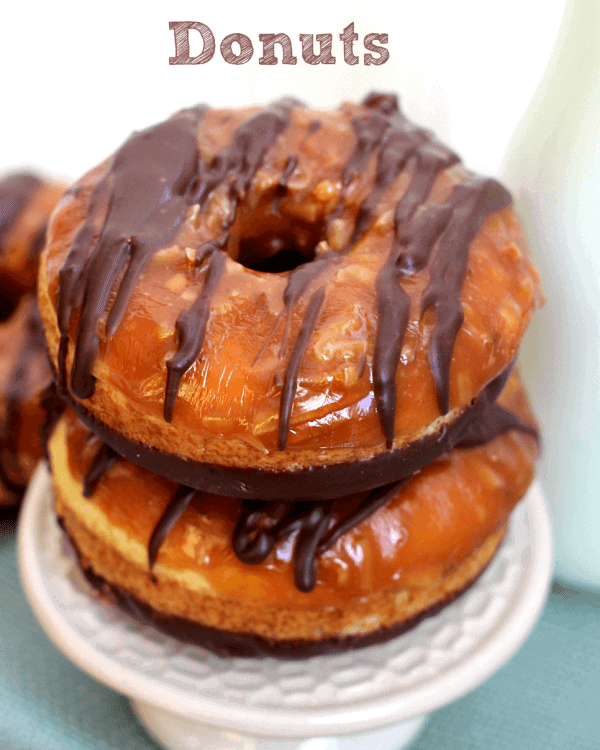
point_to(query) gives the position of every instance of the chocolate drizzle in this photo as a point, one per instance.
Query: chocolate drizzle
(490, 419)
(236, 165)
(292, 161)
(135, 210)
(370, 133)
(438, 237)
(16, 191)
(103, 460)
(470, 203)
(172, 513)
(262, 524)
(191, 329)
(133, 224)
(290, 382)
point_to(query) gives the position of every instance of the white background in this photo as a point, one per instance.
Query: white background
(78, 77)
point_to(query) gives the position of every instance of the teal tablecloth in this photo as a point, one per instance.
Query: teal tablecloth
(546, 698)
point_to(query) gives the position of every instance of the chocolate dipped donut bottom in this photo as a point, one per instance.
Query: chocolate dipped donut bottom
(292, 579)
(292, 292)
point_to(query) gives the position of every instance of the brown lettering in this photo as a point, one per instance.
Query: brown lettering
(383, 53)
(246, 49)
(182, 56)
(308, 51)
(269, 41)
(348, 37)
(182, 43)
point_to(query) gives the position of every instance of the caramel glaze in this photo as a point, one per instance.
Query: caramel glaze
(124, 228)
(27, 375)
(316, 526)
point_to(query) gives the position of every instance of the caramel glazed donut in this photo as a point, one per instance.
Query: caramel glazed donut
(333, 376)
(25, 376)
(225, 573)
(26, 202)
(282, 305)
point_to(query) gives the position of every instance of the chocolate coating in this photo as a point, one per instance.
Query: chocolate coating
(102, 462)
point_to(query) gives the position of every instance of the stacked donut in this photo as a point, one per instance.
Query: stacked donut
(286, 340)
(26, 202)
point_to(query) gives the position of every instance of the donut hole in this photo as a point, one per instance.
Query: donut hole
(283, 260)
(276, 244)
(273, 254)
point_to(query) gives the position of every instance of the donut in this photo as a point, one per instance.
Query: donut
(293, 579)
(25, 375)
(279, 302)
(26, 201)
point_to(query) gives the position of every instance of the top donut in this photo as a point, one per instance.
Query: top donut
(257, 301)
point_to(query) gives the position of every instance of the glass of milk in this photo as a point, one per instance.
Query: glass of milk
(553, 169)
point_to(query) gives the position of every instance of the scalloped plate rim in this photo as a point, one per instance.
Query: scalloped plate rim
(491, 652)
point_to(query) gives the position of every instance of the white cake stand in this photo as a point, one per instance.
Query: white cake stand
(376, 697)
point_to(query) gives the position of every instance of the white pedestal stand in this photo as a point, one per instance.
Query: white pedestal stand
(376, 697)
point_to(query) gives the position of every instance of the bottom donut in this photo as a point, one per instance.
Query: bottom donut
(225, 643)
(288, 579)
